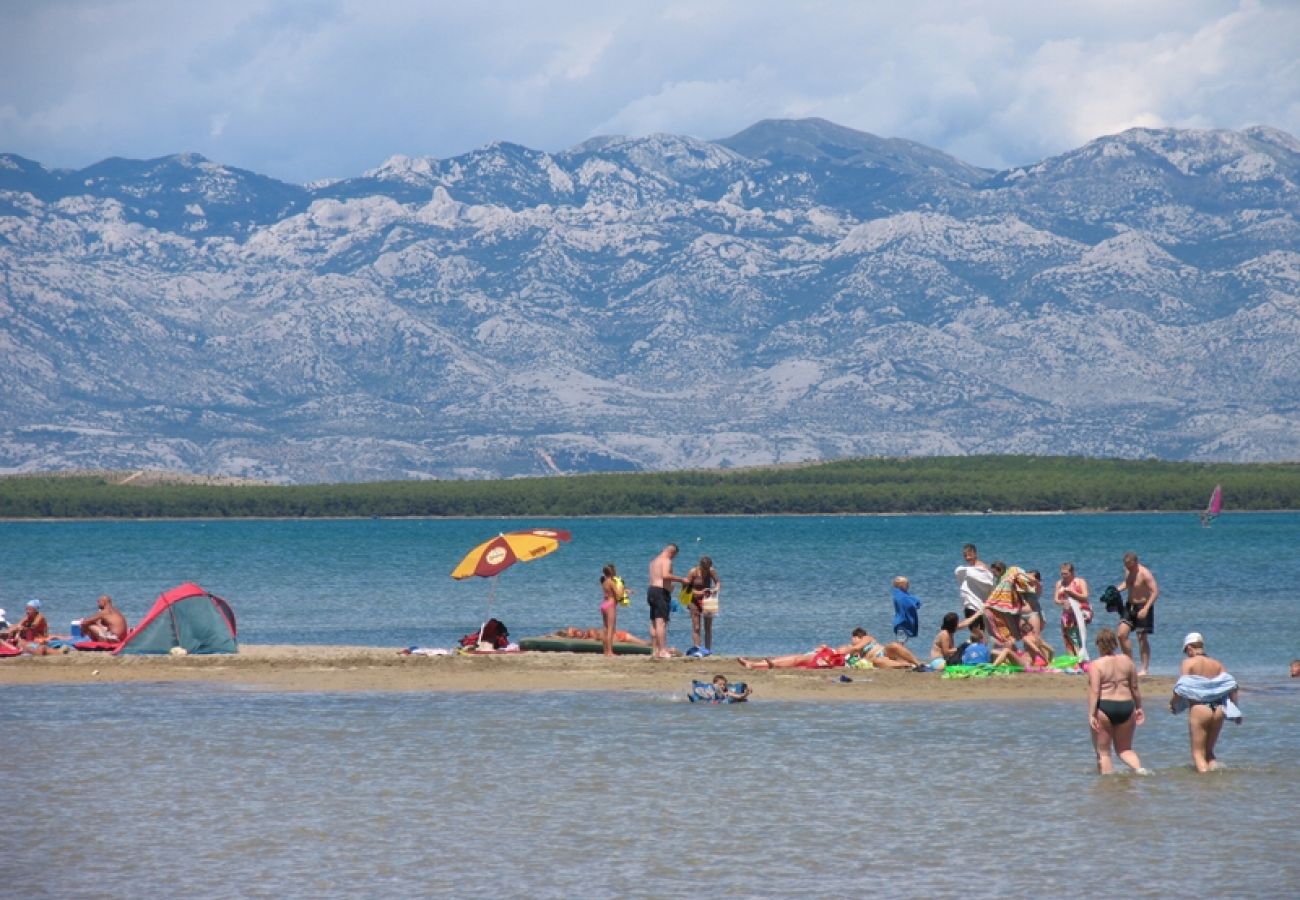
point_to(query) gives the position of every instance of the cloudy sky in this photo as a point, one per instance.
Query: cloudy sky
(303, 91)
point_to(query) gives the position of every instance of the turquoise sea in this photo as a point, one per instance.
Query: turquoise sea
(234, 792)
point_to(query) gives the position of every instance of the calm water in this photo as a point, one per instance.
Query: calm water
(788, 583)
(234, 792)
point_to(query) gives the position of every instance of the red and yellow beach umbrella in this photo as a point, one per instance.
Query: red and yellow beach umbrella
(492, 557)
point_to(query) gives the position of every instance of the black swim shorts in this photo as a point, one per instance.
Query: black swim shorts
(660, 602)
(1141, 626)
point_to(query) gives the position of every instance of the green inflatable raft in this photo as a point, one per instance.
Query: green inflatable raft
(578, 645)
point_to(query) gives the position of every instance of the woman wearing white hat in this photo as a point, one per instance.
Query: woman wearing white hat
(1209, 694)
(32, 627)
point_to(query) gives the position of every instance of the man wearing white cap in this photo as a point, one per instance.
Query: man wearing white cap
(1209, 694)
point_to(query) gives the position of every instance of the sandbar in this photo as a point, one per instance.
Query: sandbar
(333, 668)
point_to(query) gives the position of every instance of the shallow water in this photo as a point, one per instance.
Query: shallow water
(229, 792)
(234, 792)
(789, 583)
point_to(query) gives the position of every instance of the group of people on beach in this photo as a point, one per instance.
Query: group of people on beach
(1005, 602)
(1002, 611)
(700, 590)
(31, 634)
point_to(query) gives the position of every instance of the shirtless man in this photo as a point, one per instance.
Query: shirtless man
(659, 597)
(1139, 612)
(108, 625)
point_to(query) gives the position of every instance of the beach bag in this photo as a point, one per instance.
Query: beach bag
(709, 603)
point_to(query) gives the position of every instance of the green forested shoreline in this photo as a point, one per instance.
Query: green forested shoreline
(918, 485)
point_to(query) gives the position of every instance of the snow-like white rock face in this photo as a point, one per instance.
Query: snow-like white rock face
(799, 291)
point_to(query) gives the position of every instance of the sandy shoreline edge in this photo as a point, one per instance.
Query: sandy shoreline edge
(333, 668)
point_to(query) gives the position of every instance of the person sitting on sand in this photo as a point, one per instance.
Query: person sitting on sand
(945, 647)
(31, 628)
(888, 656)
(108, 625)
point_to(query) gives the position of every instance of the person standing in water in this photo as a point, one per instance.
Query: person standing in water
(1209, 694)
(1139, 611)
(1114, 705)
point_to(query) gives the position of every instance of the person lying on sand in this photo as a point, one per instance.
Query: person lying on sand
(885, 656)
(595, 634)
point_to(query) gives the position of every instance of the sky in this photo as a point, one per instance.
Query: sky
(304, 91)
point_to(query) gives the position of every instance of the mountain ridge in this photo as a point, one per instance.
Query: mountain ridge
(654, 303)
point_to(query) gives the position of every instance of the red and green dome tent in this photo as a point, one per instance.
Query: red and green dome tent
(187, 616)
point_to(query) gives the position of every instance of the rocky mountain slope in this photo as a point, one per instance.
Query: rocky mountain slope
(797, 291)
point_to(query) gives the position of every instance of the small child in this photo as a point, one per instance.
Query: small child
(727, 693)
(906, 620)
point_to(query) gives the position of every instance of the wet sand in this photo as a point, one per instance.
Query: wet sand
(341, 668)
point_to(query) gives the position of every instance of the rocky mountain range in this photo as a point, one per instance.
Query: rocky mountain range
(797, 291)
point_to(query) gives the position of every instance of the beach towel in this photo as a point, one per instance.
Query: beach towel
(1007, 595)
(1189, 689)
(97, 645)
(975, 584)
(982, 670)
(825, 658)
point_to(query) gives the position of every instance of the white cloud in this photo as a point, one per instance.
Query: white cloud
(305, 91)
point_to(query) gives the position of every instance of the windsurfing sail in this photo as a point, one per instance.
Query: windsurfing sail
(1214, 507)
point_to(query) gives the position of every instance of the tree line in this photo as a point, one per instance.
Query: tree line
(872, 485)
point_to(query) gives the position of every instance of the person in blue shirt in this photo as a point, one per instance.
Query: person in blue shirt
(906, 619)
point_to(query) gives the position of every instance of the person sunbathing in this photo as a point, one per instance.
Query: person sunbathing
(885, 656)
(32, 628)
(595, 634)
(107, 625)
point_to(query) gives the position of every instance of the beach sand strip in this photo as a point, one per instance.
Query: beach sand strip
(298, 668)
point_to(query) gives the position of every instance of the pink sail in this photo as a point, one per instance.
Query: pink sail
(1216, 502)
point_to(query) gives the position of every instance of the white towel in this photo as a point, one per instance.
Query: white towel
(1189, 689)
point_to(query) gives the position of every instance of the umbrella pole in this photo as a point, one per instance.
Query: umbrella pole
(492, 589)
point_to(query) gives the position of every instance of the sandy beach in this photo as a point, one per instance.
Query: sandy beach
(343, 668)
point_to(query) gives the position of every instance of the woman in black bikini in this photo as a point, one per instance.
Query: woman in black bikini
(1114, 705)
